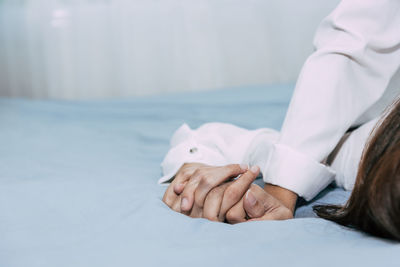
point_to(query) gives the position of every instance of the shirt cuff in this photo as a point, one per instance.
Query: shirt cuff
(186, 152)
(297, 172)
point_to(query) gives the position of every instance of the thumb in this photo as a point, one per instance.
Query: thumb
(252, 206)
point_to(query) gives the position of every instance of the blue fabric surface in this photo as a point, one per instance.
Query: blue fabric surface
(78, 188)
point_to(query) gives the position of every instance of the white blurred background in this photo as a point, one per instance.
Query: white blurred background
(74, 49)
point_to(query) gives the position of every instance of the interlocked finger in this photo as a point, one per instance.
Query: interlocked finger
(236, 214)
(213, 201)
(214, 179)
(236, 191)
(188, 193)
(181, 178)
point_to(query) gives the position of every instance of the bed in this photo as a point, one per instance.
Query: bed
(78, 187)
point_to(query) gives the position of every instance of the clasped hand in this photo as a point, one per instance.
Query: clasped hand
(203, 191)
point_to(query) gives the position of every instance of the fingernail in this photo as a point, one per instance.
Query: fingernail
(244, 167)
(254, 169)
(184, 203)
(250, 198)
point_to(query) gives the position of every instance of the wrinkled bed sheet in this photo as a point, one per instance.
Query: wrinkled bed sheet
(78, 188)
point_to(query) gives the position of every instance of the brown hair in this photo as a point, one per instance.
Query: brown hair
(374, 205)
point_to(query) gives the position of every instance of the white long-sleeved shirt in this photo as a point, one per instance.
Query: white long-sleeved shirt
(350, 78)
(220, 144)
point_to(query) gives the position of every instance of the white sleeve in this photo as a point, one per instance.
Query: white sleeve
(217, 144)
(347, 159)
(357, 54)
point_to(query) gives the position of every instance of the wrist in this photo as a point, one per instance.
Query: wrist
(287, 197)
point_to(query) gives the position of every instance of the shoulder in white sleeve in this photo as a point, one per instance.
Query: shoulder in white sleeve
(348, 158)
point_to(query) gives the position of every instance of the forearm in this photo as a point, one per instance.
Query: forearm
(287, 197)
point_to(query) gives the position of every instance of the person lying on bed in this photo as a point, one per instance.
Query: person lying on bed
(210, 192)
(343, 87)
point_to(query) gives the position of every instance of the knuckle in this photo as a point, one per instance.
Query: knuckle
(190, 184)
(231, 216)
(206, 181)
(185, 173)
(198, 174)
(202, 175)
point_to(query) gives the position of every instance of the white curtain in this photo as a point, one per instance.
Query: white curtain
(101, 48)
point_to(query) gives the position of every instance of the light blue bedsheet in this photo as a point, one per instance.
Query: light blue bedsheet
(78, 188)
